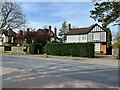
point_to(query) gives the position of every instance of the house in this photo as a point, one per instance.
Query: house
(7, 36)
(94, 33)
(40, 36)
(53, 35)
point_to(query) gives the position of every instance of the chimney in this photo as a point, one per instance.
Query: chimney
(49, 30)
(10, 35)
(69, 27)
(49, 33)
(21, 32)
(28, 29)
(10, 32)
(55, 32)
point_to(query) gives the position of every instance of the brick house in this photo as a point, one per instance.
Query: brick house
(40, 35)
(94, 33)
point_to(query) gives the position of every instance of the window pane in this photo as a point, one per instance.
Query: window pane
(96, 36)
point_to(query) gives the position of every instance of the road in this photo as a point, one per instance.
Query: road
(43, 72)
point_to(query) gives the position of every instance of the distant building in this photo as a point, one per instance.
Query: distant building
(40, 36)
(7, 36)
(93, 33)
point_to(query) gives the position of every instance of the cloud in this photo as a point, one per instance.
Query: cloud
(54, 13)
(52, 0)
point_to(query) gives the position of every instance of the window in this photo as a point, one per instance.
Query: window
(97, 46)
(83, 37)
(96, 36)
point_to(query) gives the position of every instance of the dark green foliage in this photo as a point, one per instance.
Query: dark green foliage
(106, 12)
(62, 31)
(115, 46)
(7, 48)
(70, 49)
(35, 48)
(109, 39)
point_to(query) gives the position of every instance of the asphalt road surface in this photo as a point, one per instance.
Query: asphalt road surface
(56, 70)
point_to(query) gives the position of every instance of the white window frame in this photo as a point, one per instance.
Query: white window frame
(83, 37)
(96, 36)
(98, 47)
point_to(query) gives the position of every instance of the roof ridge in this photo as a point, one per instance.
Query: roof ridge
(84, 27)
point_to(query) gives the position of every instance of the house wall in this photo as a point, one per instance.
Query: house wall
(91, 37)
(87, 37)
(96, 35)
(73, 38)
(103, 36)
(83, 38)
(0, 41)
(5, 38)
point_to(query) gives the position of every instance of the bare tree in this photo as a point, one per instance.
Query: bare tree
(11, 16)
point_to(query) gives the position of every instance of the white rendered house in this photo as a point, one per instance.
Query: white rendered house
(93, 33)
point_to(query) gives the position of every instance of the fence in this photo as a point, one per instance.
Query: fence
(17, 50)
(11, 49)
(116, 52)
(1, 49)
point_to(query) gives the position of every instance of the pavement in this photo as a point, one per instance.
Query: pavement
(99, 59)
(35, 71)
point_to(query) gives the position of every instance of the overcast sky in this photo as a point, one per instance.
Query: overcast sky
(40, 14)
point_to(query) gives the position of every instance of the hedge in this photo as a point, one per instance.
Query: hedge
(70, 49)
(35, 48)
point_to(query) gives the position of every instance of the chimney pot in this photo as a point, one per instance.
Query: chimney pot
(28, 29)
(49, 30)
(55, 32)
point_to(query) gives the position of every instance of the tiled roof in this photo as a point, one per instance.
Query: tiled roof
(6, 33)
(78, 31)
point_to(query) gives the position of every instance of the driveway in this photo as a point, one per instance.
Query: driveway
(37, 72)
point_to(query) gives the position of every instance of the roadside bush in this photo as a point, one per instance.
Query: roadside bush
(115, 46)
(70, 49)
(35, 48)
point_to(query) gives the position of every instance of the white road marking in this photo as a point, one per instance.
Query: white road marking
(63, 69)
(86, 67)
(53, 67)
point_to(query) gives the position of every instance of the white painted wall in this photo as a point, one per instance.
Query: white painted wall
(12, 39)
(0, 40)
(5, 38)
(73, 38)
(76, 38)
(83, 38)
(89, 37)
(97, 28)
(103, 36)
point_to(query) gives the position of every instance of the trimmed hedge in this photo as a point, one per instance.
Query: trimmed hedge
(70, 49)
(35, 48)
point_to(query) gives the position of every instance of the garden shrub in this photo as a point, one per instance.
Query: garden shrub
(115, 46)
(35, 48)
(70, 49)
